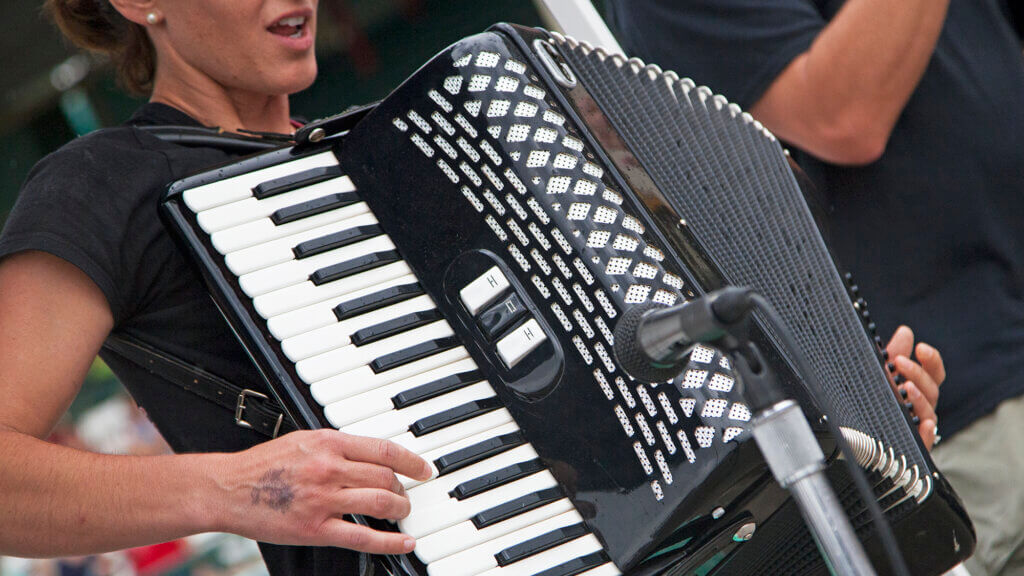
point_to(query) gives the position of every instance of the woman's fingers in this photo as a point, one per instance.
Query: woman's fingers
(363, 475)
(924, 411)
(384, 453)
(931, 360)
(901, 343)
(344, 534)
(383, 504)
(924, 381)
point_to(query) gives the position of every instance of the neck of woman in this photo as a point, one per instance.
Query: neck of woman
(215, 105)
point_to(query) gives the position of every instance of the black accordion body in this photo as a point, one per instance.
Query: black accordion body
(449, 271)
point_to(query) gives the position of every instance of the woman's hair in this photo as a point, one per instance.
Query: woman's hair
(96, 26)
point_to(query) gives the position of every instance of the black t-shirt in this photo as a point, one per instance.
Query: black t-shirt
(94, 203)
(934, 231)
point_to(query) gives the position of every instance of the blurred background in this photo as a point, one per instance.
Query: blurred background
(50, 93)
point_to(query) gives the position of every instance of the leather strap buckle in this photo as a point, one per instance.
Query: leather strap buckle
(240, 410)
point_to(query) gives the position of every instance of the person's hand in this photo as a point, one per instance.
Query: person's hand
(917, 382)
(295, 490)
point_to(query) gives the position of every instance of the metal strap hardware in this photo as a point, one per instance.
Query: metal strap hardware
(240, 410)
(253, 410)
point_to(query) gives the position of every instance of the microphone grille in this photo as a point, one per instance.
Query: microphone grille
(630, 356)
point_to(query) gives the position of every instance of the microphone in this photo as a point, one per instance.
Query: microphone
(653, 341)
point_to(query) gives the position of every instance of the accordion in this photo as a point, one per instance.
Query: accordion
(446, 269)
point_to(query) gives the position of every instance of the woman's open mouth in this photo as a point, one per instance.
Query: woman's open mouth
(291, 27)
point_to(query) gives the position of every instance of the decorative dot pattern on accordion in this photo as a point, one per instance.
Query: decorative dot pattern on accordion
(548, 176)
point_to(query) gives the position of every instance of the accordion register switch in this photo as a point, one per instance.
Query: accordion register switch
(493, 320)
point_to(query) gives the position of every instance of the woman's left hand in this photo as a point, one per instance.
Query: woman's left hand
(917, 382)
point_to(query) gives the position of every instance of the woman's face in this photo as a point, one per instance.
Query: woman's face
(258, 46)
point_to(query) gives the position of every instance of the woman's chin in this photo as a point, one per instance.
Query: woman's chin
(296, 80)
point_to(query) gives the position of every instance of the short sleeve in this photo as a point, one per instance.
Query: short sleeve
(79, 204)
(735, 47)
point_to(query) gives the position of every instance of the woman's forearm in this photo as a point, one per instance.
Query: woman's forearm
(59, 501)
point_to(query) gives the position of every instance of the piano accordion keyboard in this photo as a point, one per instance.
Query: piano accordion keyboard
(381, 361)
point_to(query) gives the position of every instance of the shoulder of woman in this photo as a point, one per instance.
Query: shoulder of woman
(112, 158)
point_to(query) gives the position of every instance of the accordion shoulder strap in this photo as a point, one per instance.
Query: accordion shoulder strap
(252, 409)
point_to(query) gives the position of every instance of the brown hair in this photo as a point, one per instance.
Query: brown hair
(96, 26)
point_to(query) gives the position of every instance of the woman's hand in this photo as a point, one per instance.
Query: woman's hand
(917, 382)
(297, 488)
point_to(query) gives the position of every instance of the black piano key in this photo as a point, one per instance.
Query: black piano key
(503, 512)
(453, 416)
(477, 452)
(296, 181)
(471, 488)
(539, 544)
(577, 565)
(413, 353)
(436, 388)
(336, 240)
(313, 207)
(389, 328)
(354, 266)
(377, 300)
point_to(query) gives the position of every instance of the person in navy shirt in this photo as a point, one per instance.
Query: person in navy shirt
(908, 116)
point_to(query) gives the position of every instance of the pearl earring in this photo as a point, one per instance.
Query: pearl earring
(152, 18)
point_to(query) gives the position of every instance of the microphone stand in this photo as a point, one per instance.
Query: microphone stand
(792, 452)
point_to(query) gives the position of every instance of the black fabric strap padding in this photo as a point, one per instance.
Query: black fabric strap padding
(250, 408)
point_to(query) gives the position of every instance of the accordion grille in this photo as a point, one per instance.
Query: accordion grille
(497, 136)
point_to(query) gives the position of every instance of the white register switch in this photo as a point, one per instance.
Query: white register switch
(520, 342)
(483, 290)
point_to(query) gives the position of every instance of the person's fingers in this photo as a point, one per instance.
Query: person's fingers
(383, 504)
(923, 410)
(930, 358)
(363, 475)
(901, 343)
(385, 453)
(343, 534)
(923, 380)
(927, 432)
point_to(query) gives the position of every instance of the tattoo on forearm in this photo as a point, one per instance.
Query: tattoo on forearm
(273, 491)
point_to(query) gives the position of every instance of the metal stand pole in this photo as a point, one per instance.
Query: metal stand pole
(795, 458)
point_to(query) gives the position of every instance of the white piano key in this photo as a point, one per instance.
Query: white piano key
(549, 558)
(264, 230)
(341, 360)
(442, 515)
(249, 209)
(481, 557)
(303, 307)
(464, 535)
(396, 422)
(429, 494)
(240, 187)
(330, 337)
(297, 271)
(607, 569)
(378, 401)
(432, 455)
(279, 251)
(363, 379)
(445, 436)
